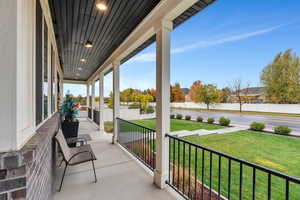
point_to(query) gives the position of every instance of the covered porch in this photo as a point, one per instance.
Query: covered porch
(119, 174)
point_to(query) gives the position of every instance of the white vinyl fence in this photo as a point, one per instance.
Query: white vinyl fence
(276, 108)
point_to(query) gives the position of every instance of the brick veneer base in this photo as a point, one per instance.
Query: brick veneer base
(29, 173)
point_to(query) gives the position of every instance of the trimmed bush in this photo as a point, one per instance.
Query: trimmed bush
(210, 120)
(257, 126)
(199, 119)
(179, 116)
(172, 116)
(282, 130)
(223, 121)
(188, 117)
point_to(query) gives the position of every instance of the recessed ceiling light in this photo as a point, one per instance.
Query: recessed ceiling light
(88, 44)
(82, 59)
(101, 5)
(79, 68)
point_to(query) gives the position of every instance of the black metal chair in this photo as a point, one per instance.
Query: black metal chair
(74, 156)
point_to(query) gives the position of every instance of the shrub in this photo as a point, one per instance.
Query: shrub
(172, 116)
(223, 121)
(179, 116)
(282, 130)
(210, 120)
(187, 117)
(199, 119)
(257, 126)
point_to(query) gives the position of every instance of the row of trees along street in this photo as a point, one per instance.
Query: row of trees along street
(280, 83)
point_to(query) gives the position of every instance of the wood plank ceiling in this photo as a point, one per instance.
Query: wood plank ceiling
(78, 21)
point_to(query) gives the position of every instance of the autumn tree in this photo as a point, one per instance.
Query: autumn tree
(240, 92)
(143, 99)
(224, 95)
(127, 95)
(208, 94)
(194, 91)
(281, 78)
(177, 94)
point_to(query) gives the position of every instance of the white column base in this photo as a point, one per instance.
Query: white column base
(160, 179)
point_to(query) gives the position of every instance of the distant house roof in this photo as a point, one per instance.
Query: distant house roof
(185, 90)
(253, 90)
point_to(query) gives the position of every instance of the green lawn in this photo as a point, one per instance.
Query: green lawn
(277, 152)
(176, 125)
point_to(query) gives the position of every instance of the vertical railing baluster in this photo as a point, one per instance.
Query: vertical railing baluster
(169, 160)
(189, 183)
(241, 181)
(147, 147)
(202, 177)
(173, 171)
(253, 183)
(219, 177)
(210, 174)
(287, 190)
(196, 165)
(153, 143)
(269, 186)
(183, 165)
(178, 167)
(229, 178)
(143, 143)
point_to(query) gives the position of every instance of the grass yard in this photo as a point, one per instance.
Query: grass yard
(272, 151)
(176, 125)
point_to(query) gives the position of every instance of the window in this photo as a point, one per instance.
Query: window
(45, 78)
(39, 65)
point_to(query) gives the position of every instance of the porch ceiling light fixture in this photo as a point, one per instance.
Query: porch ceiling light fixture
(101, 5)
(79, 68)
(83, 60)
(88, 44)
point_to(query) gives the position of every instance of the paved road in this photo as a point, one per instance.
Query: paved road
(246, 119)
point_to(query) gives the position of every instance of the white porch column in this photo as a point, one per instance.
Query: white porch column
(87, 94)
(93, 99)
(101, 102)
(116, 98)
(162, 102)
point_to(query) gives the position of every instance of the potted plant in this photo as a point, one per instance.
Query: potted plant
(69, 111)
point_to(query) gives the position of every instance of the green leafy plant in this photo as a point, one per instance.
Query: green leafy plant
(179, 116)
(70, 108)
(210, 120)
(188, 117)
(172, 116)
(223, 121)
(199, 119)
(257, 126)
(282, 130)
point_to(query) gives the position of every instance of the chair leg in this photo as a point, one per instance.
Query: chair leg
(94, 171)
(62, 179)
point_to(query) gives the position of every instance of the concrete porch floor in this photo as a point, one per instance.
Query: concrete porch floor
(119, 175)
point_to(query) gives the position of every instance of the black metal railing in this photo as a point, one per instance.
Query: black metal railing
(197, 172)
(90, 113)
(96, 116)
(138, 140)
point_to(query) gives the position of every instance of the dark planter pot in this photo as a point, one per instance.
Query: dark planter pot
(70, 130)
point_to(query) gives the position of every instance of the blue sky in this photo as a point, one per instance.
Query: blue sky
(229, 40)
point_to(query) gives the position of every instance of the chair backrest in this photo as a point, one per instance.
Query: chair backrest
(60, 138)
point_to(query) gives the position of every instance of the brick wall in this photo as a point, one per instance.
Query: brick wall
(29, 173)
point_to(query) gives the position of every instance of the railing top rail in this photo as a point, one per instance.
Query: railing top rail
(265, 169)
(150, 129)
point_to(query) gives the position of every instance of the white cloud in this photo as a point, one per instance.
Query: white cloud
(150, 57)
